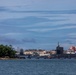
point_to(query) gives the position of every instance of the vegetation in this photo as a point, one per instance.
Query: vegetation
(7, 51)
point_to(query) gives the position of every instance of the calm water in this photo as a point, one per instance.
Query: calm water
(38, 67)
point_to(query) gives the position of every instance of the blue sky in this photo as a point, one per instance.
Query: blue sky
(38, 24)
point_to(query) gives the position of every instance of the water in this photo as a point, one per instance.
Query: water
(38, 67)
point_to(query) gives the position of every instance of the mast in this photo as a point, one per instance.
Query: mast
(58, 44)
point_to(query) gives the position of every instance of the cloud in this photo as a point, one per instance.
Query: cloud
(70, 38)
(8, 40)
(13, 3)
(29, 40)
(45, 12)
(70, 41)
(38, 23)
(28, 21)
(24, 21)
(61, 12)
(41, 4)
(51, 29)
(15, 41)
(3, 9)
(72, 34)
(18, 9)
(11, 34)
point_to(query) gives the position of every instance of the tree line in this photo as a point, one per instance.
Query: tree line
(7, 51)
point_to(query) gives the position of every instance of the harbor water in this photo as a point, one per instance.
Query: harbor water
(38, 67)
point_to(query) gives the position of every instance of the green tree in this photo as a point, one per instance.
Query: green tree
(6, 50)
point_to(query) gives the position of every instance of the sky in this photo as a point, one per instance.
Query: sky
(38, 24)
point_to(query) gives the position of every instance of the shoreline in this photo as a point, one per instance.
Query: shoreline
(8, 58)
(30, 59)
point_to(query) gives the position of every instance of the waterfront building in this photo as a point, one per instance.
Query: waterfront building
(33, 51)
(70, 52)
(73, 49)
(47, 54)
(28, 52)
(52, 52)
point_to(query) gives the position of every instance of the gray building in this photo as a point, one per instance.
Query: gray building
(59, 50)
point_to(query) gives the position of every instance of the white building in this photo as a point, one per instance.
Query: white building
(70, 52)
(34, 51)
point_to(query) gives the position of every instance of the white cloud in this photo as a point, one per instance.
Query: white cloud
(15, 9)
(40, 4)
(14, 2)
(50, 29)
(72, 34)
(65, 45)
